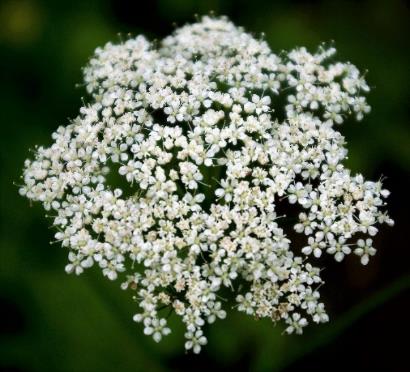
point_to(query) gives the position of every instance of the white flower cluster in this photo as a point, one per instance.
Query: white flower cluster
(211, 131)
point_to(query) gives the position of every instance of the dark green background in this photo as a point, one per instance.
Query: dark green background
(55, 322)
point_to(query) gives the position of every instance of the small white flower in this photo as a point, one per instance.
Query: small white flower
(157, 328)
(195, 340)
(338, 248)
(296, 324)
(365, 250)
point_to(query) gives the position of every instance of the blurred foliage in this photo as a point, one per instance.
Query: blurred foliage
(55, 322)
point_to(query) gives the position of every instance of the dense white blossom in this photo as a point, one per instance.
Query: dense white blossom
(211, 131)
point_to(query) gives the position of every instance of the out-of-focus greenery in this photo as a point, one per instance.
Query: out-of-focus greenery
(55, 322)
